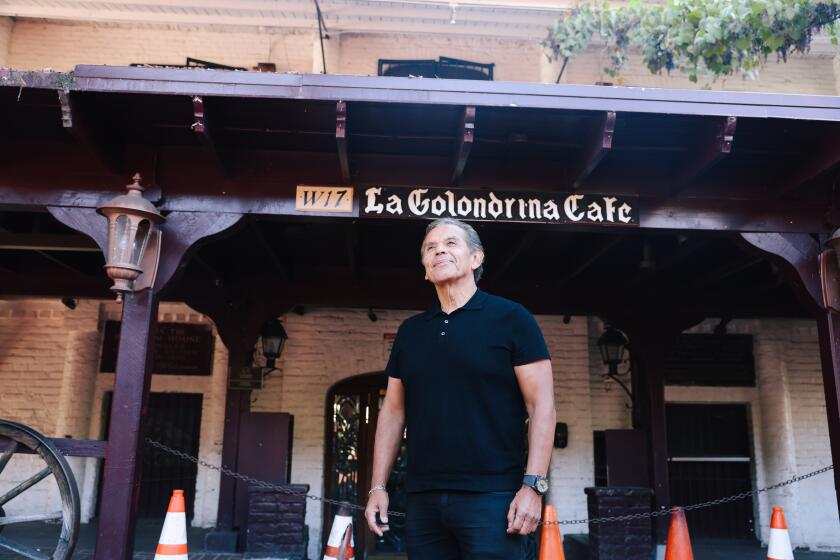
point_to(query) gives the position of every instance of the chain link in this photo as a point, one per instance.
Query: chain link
(615, 519)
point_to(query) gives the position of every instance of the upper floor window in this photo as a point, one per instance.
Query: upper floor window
(444, 67)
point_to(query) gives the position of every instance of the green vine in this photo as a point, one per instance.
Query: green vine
(708, 37)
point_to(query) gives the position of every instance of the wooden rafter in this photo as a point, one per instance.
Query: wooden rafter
(108, 151)
(208, 136)
(825, 159)
(591, 260)
(341, 139)
(466, 137)
(525, 242)
(597, 145)
(47, 242)
(715, 144)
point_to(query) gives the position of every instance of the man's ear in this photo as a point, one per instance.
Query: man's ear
(477, 259)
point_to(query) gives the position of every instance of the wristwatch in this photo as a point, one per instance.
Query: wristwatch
(535, 482)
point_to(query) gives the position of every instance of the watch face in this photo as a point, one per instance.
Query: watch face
(542, 485)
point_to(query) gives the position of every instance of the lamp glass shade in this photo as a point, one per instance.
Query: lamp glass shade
(612, 344)
(273, 339)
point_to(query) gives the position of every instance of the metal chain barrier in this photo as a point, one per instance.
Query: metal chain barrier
(615, 519)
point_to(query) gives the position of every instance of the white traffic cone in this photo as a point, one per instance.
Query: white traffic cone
(340, 544)
(779, 547)
(173, 537)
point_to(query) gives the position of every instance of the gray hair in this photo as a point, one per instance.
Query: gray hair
(473, 241)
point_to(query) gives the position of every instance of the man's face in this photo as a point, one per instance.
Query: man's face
(446, 255)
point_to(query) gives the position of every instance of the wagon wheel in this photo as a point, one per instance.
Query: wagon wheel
(27, 440)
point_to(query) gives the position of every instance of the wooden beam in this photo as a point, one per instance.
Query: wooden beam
(714, 145)
(106, 149)
(353, 252)
(828, 327)
(284, 271)
(46, 242)
(466, 137)
(593, 258)
(826, 158)
(68, 447)
(525, 242)
(341, 139)
(597, 145)
(209, 137)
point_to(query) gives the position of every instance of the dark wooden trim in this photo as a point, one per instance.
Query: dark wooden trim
(208, 135)
(341, 139)
(828, 324)
(466, 137)
(107, 150)
(607, 246)
(450, 92)
(714, 214)
(825, 159)
(715, 144)
(124, 454)
(69, 447)
(597, 145)
(47, 242)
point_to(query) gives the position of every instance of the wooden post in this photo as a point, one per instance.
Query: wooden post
(647, 349)
(828, 323)
(124, 452)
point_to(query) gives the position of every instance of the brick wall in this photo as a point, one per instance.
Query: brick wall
(6, 26)
(515, 60)
(62, 45)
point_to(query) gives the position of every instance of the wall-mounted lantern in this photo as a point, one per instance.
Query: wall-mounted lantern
(612, 344)
(274, 337)
(132, 228)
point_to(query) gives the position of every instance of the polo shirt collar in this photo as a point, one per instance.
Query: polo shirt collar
(474, 303)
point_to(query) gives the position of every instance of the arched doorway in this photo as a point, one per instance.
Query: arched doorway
(352, 409)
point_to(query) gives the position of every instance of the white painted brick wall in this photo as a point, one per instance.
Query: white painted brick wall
(6, 25)
(61, 45)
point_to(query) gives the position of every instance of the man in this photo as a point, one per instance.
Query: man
(462, 378)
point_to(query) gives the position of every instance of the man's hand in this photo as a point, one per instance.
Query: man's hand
(377, 503)
(524, 513)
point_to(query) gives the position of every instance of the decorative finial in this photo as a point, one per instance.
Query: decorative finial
(136, 186)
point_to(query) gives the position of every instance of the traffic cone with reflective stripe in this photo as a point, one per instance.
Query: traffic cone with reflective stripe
(779, 547)
(340, 543)
(679, 544)
(551, 542)
(173, 537)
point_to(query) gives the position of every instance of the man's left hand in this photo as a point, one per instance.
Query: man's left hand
(525, 512)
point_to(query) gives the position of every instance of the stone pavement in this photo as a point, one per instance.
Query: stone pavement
(148, 530)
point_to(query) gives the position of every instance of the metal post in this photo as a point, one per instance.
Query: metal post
(124, 452)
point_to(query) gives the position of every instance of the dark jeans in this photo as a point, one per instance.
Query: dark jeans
(461, 526)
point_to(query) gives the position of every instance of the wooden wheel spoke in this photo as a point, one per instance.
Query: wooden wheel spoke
(25, 485)
(11, 520)
(7, 454)
(22, 549)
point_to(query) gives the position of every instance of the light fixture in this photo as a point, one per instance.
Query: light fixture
(132, 222)
(274, 337)
(612, 344)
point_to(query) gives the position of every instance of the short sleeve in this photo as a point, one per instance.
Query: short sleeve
(393, 367)
(528, 342)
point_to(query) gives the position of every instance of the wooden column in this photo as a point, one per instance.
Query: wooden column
(124, 451)
(647, 351)
(828, 323)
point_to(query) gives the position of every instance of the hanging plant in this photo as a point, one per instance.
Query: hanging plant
(710, 37)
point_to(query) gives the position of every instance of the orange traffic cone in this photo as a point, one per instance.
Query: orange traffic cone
(173, 537)
(679, 544)
(551, 542)
(340, 543)
(779, 547)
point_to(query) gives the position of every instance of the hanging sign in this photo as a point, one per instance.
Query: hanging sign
(499, 206)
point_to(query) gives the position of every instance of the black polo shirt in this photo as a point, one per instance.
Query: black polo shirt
(464, 411)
